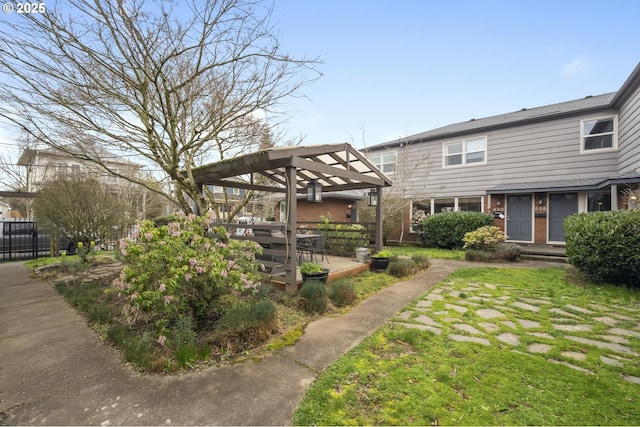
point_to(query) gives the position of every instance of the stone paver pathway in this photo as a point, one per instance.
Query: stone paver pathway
(473, 314)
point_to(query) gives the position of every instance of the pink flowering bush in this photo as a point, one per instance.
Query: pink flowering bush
(183, 269)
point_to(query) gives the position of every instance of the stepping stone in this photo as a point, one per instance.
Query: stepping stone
(510, 324)
(534, 301)
(578, 309)
(424, 303)
(539, 348)
(509, 338)
(569, 365)
(465, 302)
(437, 291)
(572, 328)
(541, 335)
(465, 338)
(631, 379)
(490, 286)
(451, 319)
(489, 327)
(526, 306)
(626, 332)
(489, 313)
(612, 362)
(435, 297)
(504, 297)
(614, 338)
(483, 294)
(470, 289)
(574, 355)
(468, 328)
(599, 307)
(454, 294)
(528, 323)
(618, 348)
(456, 308)
(441, 313)
(436, 331)
(622, 317)
(606, 320)
(405, 315)
(563, 313)
(425, 320)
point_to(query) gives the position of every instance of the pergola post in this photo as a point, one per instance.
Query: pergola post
(291, 268)
(379, 236)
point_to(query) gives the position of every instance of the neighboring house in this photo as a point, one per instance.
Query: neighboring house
(529, 168)
(340, 206)
(5, 210)
(47, 163)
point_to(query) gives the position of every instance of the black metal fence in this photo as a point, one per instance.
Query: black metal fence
(23, 240)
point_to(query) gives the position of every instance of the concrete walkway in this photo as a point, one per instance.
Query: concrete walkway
(54, 370)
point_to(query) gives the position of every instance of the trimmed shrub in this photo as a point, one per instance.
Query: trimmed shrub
(447, 230)
(342, 292)
(603, 246)
(421, 261)
(509, 252)
(477, 255)
(314, 296)
(247, 325)
(402, 267)
(484, 238)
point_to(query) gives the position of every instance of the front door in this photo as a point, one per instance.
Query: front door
(519, 217)
(561, 205)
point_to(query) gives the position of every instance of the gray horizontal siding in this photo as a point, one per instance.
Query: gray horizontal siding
(629, 136)
(538, 152)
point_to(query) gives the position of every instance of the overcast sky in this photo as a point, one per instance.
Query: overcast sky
(397, 68)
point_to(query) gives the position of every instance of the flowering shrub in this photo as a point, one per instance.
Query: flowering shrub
(417, 224)
(183, 269)
(484, 238)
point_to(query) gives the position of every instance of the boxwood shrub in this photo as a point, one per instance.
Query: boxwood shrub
(446, 230)
(605, 246)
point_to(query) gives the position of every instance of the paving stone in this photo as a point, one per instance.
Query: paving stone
(526, 306)
(542, 335)
(435, 297)
(485, 295)
(509, 338)
(572, 328)
(626, 332)
(466, 302)
(405, 315)
(457, 308)
(534, 301)
(572, 366)
(420, 327)
(490, 286)
(454, 294)
(579, 309)
(451, 319)
(470, 289)
(612, 362)
(489, 313)
(623, 317)
(504, 297)
(424, 303)
(441, 313)
(563, 313)
(599, 307)
(539, 348)
(468, 328)
(631, 379)
(499, 301)
(425, 320)
(614, 338)
(465, 338)
(529, 324)
(606, 320)
(437, 290)
(574, 355)
(618, 348)
(489, 327)
(510, 324)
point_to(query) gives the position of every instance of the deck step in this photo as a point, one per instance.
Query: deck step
(547, 258)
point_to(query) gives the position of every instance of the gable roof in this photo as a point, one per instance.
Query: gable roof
(524, 116)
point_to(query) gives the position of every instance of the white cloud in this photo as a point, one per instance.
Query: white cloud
(577, 65)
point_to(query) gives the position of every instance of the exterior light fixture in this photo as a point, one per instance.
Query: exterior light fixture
(314, 191)
(373, 198)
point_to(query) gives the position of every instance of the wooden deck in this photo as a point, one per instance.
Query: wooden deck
(339, 267)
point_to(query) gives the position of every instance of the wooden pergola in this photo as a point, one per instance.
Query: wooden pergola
(290, 170)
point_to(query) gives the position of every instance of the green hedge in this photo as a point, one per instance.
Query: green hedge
(605, 246)
(447, 230)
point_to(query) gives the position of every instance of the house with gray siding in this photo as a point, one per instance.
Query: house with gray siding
(529, 168)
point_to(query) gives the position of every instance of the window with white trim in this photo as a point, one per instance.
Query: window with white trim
(599, 134)
(386, 162)
(465, 152)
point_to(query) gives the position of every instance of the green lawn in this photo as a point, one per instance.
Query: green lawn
(405, 376)
(428, 252)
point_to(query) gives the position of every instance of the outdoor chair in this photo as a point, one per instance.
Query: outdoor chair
(319, 246)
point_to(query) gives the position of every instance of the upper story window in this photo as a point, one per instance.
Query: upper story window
(465, 152)
(599, 134)
(386, 162)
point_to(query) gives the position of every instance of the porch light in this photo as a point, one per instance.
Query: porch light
(373, 198)
(314, 191)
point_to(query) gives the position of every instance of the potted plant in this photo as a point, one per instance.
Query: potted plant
(314, 271)
(380, 260)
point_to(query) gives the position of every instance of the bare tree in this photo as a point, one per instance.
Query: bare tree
(17, 174)
(170, 84)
